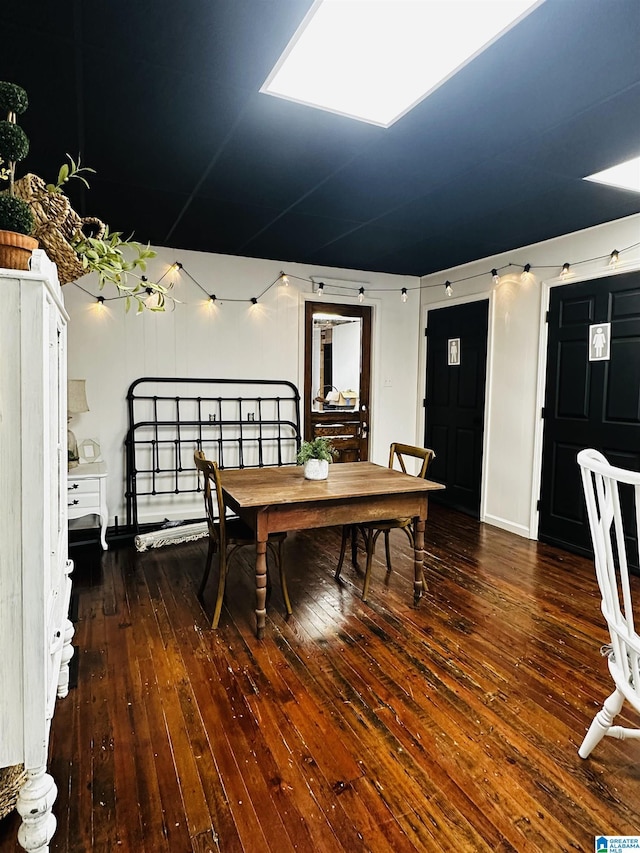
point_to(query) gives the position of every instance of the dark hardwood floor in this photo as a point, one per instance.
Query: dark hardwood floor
(354, 727)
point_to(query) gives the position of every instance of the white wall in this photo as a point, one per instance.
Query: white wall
(110, 349)
(515, 365)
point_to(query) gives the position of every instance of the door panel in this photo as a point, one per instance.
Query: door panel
(455, 398)
(588, 403)
(337, 364)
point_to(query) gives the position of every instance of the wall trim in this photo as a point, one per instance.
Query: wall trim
(509, 526)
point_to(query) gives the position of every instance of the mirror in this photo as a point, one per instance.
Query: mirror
(336, 367)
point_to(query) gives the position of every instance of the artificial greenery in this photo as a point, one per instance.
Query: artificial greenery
(115, 260)
(67, 171)
(13, 98)
(15, 214)
(110, 257)
(318, 448)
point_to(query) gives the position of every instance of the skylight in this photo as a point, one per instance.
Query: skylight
(625, 176)
(374, 60)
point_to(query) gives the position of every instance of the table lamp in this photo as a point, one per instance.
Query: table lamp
(76, 404)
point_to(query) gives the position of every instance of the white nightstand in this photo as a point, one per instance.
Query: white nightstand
(87, 490)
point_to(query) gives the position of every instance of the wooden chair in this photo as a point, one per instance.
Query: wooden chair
(226, 535)
(371, 530)
(610, 538)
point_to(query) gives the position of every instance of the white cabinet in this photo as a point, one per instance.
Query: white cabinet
(35, 583)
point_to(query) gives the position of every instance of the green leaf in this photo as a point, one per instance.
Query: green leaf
(63, 174)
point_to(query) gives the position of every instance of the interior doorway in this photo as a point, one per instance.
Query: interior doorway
(337, 371)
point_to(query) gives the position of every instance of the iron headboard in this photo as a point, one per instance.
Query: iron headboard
(239, 423)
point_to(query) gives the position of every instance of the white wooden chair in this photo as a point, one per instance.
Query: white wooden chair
(601, 482)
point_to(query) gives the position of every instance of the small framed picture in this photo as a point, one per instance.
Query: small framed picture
(89, 450)
(600, 342)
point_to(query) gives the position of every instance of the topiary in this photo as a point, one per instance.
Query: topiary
(15, 214)
(13, 98)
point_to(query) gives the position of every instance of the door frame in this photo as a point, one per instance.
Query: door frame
(541, 384)
(374, 372)
(422, 375)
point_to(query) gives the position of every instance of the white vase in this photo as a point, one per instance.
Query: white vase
(316, 469)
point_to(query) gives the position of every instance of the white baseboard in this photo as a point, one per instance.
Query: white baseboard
(505, 524)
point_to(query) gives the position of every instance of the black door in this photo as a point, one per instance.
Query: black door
(588, 403)
(456, 375)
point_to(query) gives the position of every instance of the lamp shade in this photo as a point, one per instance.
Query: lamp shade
(76, 397)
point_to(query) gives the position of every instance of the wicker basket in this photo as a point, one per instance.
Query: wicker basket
(11, 780)
(57, 226)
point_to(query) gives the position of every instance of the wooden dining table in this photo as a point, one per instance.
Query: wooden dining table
(280, 499)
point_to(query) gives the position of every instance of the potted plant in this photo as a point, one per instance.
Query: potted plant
(315, 455)
(16, 218)
(77, 245)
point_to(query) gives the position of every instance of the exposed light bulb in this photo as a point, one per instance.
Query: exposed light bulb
(448, 289)
(177, 266)
(154, 298)
(100, 300)
(284, 279)
(404, 294)
(361, 295)
(525, 272)
(320, 288)
(614, 258)
(565, 270)
(212, 298)
(496, 277)
(254, 300)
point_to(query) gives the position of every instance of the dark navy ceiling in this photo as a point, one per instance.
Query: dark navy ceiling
(161, 98)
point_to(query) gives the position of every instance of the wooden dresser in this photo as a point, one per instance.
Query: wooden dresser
(35, 583)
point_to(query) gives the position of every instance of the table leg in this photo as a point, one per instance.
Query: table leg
(261, 587)
(418, 558)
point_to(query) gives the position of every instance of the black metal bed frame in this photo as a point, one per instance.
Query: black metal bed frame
(242, 428)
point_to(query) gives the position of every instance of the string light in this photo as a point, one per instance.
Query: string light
(284, 278)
